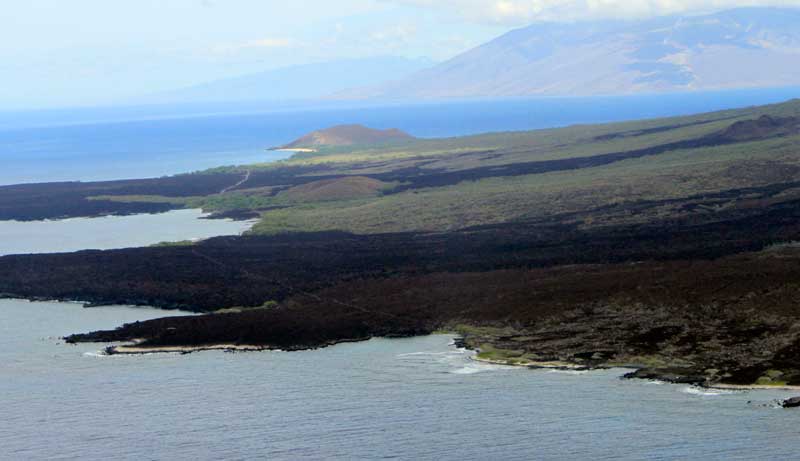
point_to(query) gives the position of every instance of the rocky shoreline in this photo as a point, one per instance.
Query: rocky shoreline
(793, 402)
(138, 350)
(638, 372)
(730, 321)
(139, 347)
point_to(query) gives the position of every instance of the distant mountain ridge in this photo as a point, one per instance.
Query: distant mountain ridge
(348, 135)
(309, 81)
(742, 48)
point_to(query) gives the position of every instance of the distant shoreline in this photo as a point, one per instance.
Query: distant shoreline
(133, 349)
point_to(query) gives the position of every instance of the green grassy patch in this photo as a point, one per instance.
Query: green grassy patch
(142, 199)
(489, 352)
(181, 243)
(772, 378)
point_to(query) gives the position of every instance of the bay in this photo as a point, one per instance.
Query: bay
(110, 232)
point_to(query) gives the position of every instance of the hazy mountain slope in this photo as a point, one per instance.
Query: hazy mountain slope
(297, 82)
(753, 47)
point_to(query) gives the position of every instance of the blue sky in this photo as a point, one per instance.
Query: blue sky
(67, 52)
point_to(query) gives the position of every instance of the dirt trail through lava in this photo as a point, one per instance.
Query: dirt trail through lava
(244, 180)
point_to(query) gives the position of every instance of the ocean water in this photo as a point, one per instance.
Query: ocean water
(411, 399)
(105, 233)
(97, 144)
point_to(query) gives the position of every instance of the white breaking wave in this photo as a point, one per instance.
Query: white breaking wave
(422, 354)
(694, 390)
(95, 354)
(479, 367)
(459, 361)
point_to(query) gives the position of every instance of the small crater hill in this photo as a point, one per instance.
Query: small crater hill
(761, 128)
(348, 135)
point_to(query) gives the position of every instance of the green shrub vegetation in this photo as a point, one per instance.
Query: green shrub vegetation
(366, 206)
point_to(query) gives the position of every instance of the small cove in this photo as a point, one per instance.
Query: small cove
(111, 232)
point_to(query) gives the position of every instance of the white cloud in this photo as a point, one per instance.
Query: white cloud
(269, 43)
(395, 35)
(518, 12)
(263, 43)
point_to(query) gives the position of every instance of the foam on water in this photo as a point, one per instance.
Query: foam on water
(480, 367)
(95, 354)
(706, 392)
(458, 361)
(423, 354)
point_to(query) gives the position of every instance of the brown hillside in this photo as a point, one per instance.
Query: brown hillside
(348, 135)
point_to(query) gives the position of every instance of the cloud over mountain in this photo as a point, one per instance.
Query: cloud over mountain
(519, 12)
(741, 48)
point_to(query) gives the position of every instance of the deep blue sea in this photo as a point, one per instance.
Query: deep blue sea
(94, 144)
